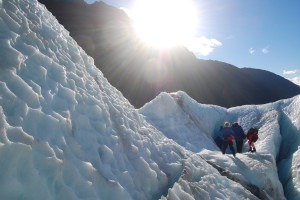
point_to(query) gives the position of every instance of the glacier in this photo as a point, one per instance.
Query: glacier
(66, 133)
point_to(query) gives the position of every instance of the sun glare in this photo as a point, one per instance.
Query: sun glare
(165, 23)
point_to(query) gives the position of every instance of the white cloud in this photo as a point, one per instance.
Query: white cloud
(127, 11)
(265, 50)
(251, 50)
(289, 72)
(295, 80)
(203, 45)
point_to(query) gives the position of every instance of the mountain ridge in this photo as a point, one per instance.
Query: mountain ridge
(141, 73)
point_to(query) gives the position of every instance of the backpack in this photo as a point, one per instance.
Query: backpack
(254, 133)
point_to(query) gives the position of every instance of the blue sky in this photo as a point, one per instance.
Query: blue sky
(263, 34)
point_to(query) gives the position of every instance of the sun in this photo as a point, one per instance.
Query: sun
(165, 23)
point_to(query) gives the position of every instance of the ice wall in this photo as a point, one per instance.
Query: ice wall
(277, 145)
(66, 133)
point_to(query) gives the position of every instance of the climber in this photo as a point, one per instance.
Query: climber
(239, 136)
(252, 136)
(227, 134)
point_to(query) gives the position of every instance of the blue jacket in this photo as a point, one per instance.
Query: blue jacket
(226, 132)
(239, 134)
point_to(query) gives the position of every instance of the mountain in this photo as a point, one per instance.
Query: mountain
(67, 133)
(141, 73)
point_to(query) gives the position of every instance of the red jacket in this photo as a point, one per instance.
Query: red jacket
(252, 137)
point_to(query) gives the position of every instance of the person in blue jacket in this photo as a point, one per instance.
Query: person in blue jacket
(239, 136)
(228, 137)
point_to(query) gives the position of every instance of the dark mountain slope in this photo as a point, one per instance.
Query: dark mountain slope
(278, 87)
(141, 73)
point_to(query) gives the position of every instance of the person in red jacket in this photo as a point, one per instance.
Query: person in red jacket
(252, 137)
